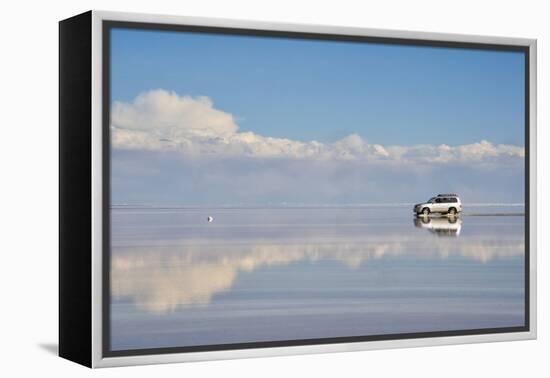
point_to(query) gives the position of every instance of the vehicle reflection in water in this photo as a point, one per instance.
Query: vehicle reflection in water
(441, 226)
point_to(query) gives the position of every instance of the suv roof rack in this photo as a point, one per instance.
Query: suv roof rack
(448, 195)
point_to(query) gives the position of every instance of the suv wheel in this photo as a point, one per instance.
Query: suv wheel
(452, 211)
(425, 211)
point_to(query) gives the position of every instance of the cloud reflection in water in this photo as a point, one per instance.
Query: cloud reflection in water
(158, 279)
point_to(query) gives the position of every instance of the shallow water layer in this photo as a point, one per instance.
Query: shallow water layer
(266, 274)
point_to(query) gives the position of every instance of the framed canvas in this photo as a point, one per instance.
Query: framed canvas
(236, 189)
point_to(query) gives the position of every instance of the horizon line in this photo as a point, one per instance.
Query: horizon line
(294, 205)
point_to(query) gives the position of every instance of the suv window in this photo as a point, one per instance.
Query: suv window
(453, 199)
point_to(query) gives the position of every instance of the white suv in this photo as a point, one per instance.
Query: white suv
(442, 203)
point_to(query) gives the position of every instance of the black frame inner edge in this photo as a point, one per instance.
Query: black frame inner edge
(107, 26)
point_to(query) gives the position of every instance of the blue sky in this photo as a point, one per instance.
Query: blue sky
(320, 90)
(202, 119)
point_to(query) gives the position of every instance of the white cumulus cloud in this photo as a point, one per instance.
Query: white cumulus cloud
(159, 120)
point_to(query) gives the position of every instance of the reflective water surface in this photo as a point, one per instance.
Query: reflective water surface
(286, 274)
